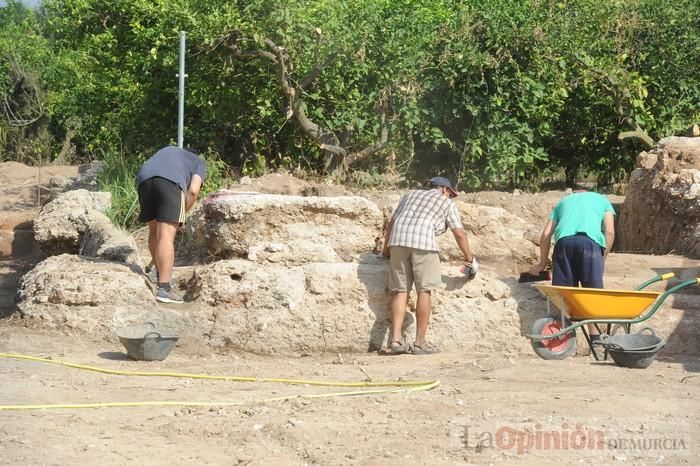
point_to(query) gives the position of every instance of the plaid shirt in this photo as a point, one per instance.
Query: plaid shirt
(420, 217)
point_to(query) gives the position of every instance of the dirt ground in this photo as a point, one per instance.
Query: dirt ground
(643, 416)
(494, 408)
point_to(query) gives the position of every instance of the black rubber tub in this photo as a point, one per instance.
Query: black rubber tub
(147, 342)
(636, 351)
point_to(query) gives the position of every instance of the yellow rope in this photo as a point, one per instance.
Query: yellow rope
(401, 386)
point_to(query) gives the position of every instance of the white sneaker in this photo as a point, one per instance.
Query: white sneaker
(170, 296)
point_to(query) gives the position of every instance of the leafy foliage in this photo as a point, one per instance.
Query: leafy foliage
(494, 93)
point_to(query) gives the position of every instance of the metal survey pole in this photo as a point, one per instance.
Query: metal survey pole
(181, 93)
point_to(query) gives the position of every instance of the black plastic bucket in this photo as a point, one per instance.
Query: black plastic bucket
(639, 341)
(634, 359)
(146, 342)
(636, 351)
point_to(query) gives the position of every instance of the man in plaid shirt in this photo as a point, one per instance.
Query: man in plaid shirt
(410, 243)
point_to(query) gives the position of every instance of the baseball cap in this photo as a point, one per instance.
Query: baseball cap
(444, 182)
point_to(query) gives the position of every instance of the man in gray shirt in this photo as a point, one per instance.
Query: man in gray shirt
(168, 185)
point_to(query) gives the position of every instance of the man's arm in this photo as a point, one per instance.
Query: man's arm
(545, 244)
(463, 243)
(387, 235)
(609, 232)
(193, 191)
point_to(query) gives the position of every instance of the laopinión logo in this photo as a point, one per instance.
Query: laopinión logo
(587, 436)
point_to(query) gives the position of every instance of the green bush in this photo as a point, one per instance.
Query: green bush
(494, 93)
(119, 178)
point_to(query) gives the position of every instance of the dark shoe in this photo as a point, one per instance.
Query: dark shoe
(168, 296)
(398, 348)
(425, 348)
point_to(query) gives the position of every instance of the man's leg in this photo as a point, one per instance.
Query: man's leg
(562, 266)
(151, 269)
(428, 277)
(399, 300)
(400, 283)
(591, 269)
(567, 262)
(152, 238)
(423, 307)
(165, 250)
(147, 214)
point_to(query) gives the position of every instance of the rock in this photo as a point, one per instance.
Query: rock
(60, 224)
(338, 307)
(293, 253)
(60, 183)
(492, 233)
(75, 223)
(83, 293)
(165, 321)
(102, 239)
(286, 229)
(281, 183)
(646, 160)
(496, 290)
(661, 212)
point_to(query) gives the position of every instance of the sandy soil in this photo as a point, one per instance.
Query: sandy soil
(487, 397)
(488, 409)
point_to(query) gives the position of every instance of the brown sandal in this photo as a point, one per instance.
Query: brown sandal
(425, 348)
(397, 347)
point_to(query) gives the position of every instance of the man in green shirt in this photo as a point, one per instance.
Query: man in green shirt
(583, 227)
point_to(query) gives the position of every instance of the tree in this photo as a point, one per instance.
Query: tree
(23, 54)
(492, 92)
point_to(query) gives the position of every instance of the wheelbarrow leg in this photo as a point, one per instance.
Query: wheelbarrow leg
(584, 330)
(608, 329)
(590, 342)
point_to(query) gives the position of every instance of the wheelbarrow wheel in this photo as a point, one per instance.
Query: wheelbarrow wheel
(555, 348)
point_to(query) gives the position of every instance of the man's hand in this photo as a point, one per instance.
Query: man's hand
(470, 268)
(537, 268)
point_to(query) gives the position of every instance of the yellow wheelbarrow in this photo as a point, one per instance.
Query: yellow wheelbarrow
(554, 337)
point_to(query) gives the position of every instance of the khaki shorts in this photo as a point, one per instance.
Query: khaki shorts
(409, 266)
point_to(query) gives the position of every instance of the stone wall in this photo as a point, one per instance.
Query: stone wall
(661, 213)
(295, 274)
(285, 229)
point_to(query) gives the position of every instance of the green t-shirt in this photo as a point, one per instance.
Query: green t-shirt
(581, 213)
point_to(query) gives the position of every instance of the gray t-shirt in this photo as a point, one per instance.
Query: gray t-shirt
(174, 164)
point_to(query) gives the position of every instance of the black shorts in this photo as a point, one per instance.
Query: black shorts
(161, 200)
(578, 260)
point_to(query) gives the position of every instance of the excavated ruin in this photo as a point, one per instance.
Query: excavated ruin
(288, 273)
